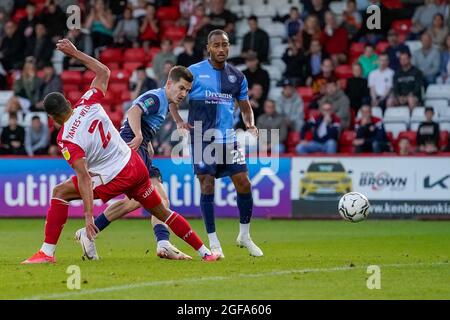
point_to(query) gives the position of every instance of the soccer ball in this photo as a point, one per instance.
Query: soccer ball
(354, 207)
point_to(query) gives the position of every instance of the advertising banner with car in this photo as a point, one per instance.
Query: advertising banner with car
(395, 186)
(26, 186)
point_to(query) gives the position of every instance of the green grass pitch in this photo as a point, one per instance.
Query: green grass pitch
(303, 260)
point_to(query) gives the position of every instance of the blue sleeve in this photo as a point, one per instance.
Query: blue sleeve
(149, 103)
(243, 95)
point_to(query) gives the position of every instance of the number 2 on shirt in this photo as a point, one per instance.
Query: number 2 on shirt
(105, 138)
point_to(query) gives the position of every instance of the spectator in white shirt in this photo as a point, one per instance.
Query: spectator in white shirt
(380, 82)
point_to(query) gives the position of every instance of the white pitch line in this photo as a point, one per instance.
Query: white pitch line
(218, 278)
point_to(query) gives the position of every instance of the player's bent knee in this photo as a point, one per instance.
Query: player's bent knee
(61, 191)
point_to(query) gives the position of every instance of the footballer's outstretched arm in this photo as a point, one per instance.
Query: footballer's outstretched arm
(173, 108)
(101, 71)
(247, 116)
(85, 188)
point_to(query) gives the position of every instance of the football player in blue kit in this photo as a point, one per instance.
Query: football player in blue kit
(216, 87)
(144, 120)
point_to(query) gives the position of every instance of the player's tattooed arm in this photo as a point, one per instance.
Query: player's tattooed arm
(85, 187)
(101, 71)
(248, 117)
(134, 119)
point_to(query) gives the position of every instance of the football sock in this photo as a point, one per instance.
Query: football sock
(101, 222)
(244, 230)
(213, 240)
(182, 229)
(48, 249)
(207, 208)
(203, 251)
(56, 218)
(245, 205)
(161, 232)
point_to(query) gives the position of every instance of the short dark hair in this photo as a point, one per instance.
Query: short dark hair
(253, 17)
(427, 109)
(217, 32)
(56, 104)
(36, 118)
(405, 52)
(180, 72)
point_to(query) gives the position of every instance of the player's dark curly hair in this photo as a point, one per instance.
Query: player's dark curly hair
(180, 72)
(56, 104)
(216, 32)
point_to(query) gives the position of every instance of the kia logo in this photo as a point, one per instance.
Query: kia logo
(429, 184)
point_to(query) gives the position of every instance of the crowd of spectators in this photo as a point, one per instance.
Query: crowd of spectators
(346, 68)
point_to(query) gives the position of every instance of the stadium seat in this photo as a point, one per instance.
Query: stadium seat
(71, 77)
(168, 13)
(395, 128)
(122, 76)
(376, 112)
(42, 115)
(410, 135)
(397, 114)
(134, 55)
(130, 67)
(111, 55)
(444, 120)
(242, 28)
(356, 49)
(109, 98)
(276, 29)
(443, 138)
(241, 10)
(235, 51)
(4, 118)
(381, 47)
(152, 53)
(306, 93)
(278, 51)
(284, 6)
(338, 7)
(175, 33)
(438, 91)
(263, 10)
(344, 71)
(18, 15)
(5, 95)
(346, 141)
(393, 4)
(73, 96)
(413, 45)
(439, 105)
(418, 116)
(274, 72)
(292, 140)
(125, 96)
(88, 76)
(117, 88)
(70, 87)
(275, 93)
(275, 41)
(402, 26)
(444, 126)
(279, 64)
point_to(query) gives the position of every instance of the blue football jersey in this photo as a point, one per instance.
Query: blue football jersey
(212, 99)
(154, 105)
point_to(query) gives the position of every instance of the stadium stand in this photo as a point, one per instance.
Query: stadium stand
(273, 18)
